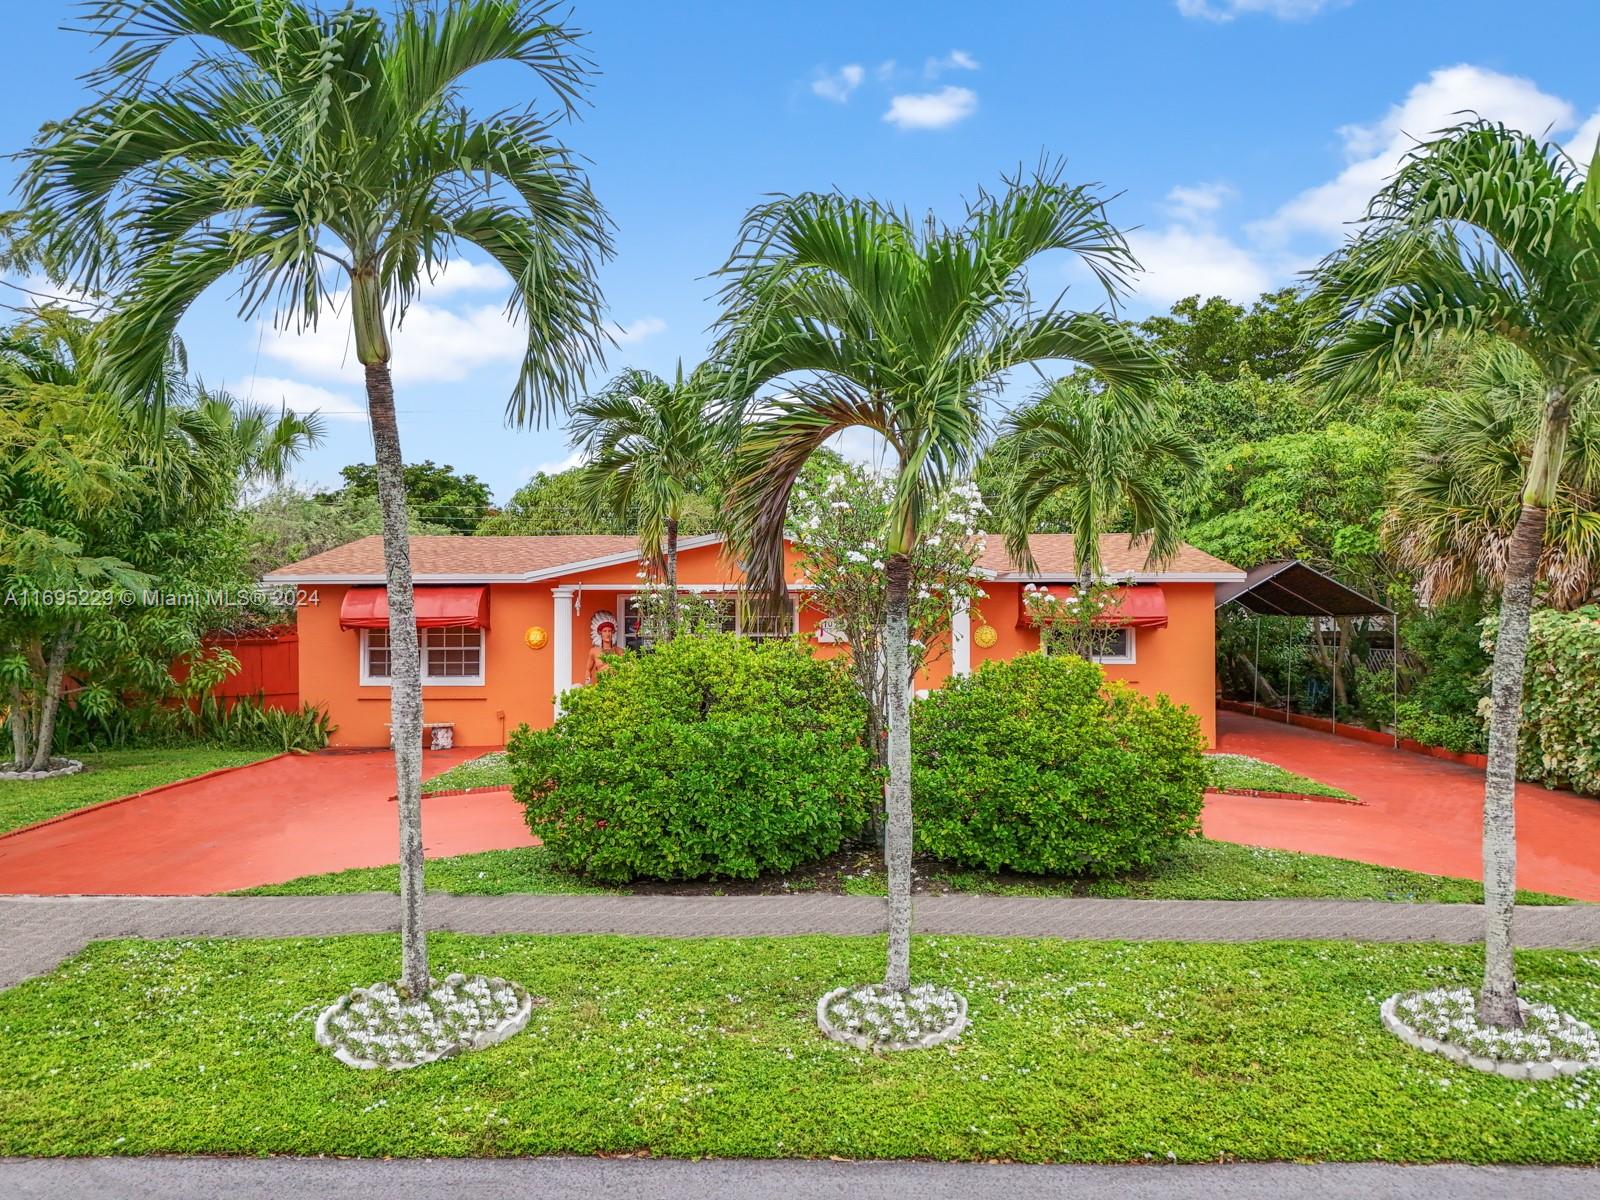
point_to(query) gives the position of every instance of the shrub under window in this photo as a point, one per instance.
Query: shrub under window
(1038, 764)
(708, 756)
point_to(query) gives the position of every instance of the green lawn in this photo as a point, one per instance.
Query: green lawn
(1078, 1051)
(1197, 870)
(1237, 772)
(489, 770)
(108, 775)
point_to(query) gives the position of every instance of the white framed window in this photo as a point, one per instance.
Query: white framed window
(755, 622)
(734, 616)
(450, 657)
(1113, 647)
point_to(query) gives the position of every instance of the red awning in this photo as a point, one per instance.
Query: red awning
(1140, 606)
(437, 608)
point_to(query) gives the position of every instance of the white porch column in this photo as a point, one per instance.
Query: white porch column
(960, 639)
(561, 642)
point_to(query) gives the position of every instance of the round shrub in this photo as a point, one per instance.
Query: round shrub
(708, 756)
(1038, 764)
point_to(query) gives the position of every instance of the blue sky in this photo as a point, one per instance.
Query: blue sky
(1240, 134)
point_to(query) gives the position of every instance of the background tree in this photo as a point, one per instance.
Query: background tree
(1454, 509)
(647, 444)
(314, 154)
(103, 517)
(437, 495)
(864, 318)
(1100, 461)
(838, 523)
(288, 523)
(1222, 341)
(1484, 232)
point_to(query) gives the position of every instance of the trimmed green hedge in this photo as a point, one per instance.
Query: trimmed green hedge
(712, 756)
(1038, 764)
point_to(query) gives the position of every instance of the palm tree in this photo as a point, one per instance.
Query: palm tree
(1098, 459)
(1483, 231)
(864, 318)
(1454, 505)
(325, 159)
(647, 444)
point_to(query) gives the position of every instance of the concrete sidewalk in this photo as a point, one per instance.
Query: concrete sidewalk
(37, 932)
(597, 1179)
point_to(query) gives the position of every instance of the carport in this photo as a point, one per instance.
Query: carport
(1295, 589)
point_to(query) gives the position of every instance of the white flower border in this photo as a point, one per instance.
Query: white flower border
(862, 1042)
(488, 1037)
(1536, 1070)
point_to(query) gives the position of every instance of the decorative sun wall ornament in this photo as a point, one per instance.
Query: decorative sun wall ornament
(985, 636)
(536, 638)
(603, 617)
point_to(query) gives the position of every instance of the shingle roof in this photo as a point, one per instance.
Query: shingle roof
(462, 556)
(468, 558)
(1052, 554)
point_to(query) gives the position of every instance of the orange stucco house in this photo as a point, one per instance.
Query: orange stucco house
(507, 623)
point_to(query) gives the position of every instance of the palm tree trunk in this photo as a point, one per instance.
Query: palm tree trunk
(897, 791)
(1497, 1001)
(50, 703)
(672, 578)
(405, 673)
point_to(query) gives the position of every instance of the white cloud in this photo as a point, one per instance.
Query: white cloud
(932, 110)
(1373, 151)
(1193, 202)
(1581, 145)
(1190, 256)
(575, 459)
(956, 60)
(1183, 260)
(303, 398)
(637, 331)
(436, 344)
(865, 447)
(464, 275)
(838, 85)
(1284, 10)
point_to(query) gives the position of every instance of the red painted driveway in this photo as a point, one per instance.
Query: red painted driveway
(1423, 814)
(265, 823)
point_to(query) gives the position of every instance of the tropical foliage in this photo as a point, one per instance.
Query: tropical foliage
(861, 318)
(314, 156)
(647, 445)
(1099, 459)
(1561, 705)
(1039, 764)
(1483, 232)
(713, 756)
(119, 542)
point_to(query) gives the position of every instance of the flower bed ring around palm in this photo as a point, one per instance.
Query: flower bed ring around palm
(376, 1026)
(875, 1016)
(1445, 1022)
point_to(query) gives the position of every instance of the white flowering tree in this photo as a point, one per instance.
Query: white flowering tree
(1072, 620)
(665, 612)
(837, 521)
